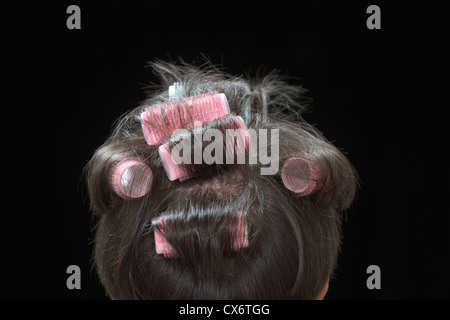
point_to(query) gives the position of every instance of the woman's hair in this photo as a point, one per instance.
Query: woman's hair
(292, 238)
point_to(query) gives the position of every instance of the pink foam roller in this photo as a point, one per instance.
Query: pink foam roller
(300, 175)
(131, 178)
(177, 172)
(242, 139)
(162, 246)
(182, 114)
(173, 170)
(241, 238)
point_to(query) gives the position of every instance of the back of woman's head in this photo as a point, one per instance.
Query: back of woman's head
(226, 230)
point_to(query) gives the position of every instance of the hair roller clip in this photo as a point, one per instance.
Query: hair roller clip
(182, 114)
(131, 178)
(176, 91)
(300, 175)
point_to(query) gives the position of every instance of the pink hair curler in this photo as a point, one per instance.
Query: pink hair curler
(182, 114)
(300, 175)
(177, 172)
(162, 246)
(241, 237)
(173, 170)
(242, 138)
(131, 178)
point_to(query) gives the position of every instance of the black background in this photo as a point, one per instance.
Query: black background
(380, 95)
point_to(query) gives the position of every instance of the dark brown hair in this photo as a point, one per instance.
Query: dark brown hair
(293, 240)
